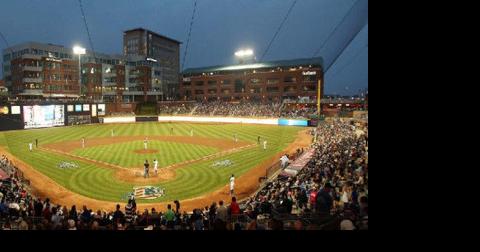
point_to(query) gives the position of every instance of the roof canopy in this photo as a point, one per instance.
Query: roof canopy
(318, 62)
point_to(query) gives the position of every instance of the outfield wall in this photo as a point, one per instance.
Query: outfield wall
(217, 120)
(200, 119)
(120, 119)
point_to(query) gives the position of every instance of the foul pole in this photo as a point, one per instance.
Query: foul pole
(319, 86)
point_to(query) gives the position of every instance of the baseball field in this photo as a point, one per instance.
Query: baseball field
(195, 161)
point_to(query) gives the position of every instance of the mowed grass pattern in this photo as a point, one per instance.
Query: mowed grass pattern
(123, 154)
(191, 181)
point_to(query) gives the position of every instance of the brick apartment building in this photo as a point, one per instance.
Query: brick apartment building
(262, 81)
(36, 70)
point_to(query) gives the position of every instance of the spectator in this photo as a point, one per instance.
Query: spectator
(56, 218)
(118, 216)
(347, 224)
(71, 225)
(130, 209)
(234, 207)
(169, 216)
(222, 212)
(177, 206)
(324, 200)
(86, 215)
(73, 215)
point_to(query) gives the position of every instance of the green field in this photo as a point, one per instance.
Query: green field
(192, 180)
(122, 154)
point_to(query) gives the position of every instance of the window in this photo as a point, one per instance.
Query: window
(309, 88)
(290, 89)
(239, 86)
(212, 91)
(226, 91)
(255, 90)
(198, 92)
(187, 83)
(198, 83)
(225, 82)
(273, 81)
(289, 79)
(272, 89)
(255, 81)
(212, 82)
(309, 78)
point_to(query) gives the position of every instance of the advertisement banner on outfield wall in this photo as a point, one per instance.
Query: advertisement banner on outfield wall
(94, 110)
(290, 122)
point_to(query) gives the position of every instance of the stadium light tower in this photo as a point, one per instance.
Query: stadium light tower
(243, 55)
(79, 51)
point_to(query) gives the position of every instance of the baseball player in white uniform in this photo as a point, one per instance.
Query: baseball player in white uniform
(145, 143)
(264, 144)
(30, 146)
(232, 184)
(155, 167)
(83, 142)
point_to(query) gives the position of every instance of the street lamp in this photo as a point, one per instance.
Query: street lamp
(79, 51)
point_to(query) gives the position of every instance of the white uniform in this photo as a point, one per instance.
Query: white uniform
(83, 143)
(155, 166)
(145, 143)
(232, 184)
(30, 146)
(236, 139)
(265, 144)
(112, 133)
(191, 132)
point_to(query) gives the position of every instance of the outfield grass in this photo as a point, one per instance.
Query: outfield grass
(191, 181)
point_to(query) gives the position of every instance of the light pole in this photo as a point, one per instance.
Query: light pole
(79, 51)
(242, 55)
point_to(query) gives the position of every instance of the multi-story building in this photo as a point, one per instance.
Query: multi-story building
(156, 48)
(262, 81)
(35, 70)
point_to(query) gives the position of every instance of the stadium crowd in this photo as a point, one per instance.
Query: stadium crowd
(331, 192)
(293, 112)
(240, 109)
(220, 108)
(176, 109)
(335, 181)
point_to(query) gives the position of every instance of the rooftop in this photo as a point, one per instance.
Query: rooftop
(154, 33)
(257, 65)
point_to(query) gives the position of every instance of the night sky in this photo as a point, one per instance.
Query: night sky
(219, 29)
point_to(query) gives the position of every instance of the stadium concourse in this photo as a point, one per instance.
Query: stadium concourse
(329, 193)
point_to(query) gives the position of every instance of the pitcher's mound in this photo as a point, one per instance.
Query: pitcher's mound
(145, 151)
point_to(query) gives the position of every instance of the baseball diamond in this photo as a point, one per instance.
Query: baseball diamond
(107, 165)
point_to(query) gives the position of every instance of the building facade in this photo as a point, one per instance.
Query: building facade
(156, 48)
(36, 70)
(262, 81)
